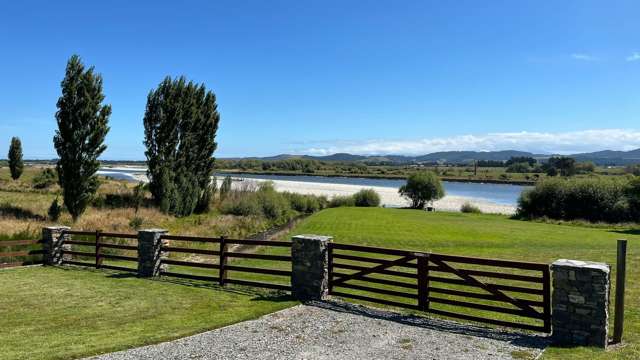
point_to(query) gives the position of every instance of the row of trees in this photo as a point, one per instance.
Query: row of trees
(180, 121)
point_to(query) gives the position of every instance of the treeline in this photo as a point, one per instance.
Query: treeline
(596, 199)
(180, 122)
(308, 166)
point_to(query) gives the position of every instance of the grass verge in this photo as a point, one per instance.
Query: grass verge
(63, 313)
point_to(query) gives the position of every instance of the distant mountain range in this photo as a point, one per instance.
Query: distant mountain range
(605, 157)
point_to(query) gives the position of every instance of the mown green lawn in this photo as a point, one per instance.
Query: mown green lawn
(65, 313)
(493, 236)
(76, 312)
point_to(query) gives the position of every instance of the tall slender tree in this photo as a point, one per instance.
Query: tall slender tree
(16, 166)
(181, 121)
(82, 127)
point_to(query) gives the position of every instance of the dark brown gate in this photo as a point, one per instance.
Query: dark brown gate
(498, 292)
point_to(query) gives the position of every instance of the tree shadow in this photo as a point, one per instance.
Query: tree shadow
(7, 209)
(256, 293)
(626, 231)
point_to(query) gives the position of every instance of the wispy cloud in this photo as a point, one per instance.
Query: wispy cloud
(584, 57)
(633, 57)
(551, 143)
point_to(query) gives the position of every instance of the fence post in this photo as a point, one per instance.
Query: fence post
(98, 259)
(222, 273)
(149, 250)
(580, 303)
(310, 267)
(423, 281)
(53, 238)
(621, 274)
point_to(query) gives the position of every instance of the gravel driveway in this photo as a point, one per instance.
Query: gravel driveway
(337, 330)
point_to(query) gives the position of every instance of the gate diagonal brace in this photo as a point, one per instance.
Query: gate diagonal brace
(499, 294)
(400, 261)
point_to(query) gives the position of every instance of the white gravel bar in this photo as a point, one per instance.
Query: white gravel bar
(388, 196)
(337, 330)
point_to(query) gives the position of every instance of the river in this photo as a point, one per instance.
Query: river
(500, 198)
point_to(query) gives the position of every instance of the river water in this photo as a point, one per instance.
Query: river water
(501, 194)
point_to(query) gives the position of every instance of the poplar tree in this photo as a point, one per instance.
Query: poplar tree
(180, 121)
(82, 127)
(16, 166)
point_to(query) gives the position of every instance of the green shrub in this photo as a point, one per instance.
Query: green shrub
(225, 188)
(591, 199)
(306, 203)
(469, 208)
(421, 188)
(366, 198)
(241, 205)
(136, 222)
(54, 210)
(265, 201)
(519, 167)
(274, 205)
(45, 179)
(340, 201)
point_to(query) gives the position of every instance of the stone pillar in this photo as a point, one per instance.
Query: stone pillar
(149, 246)
(53, 238)
(310, 267)
(580, 303)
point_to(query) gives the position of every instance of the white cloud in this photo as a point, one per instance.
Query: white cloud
(584, 57)
(538, 142)
(634, 57)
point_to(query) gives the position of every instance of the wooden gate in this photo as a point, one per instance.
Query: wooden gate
(498, 292)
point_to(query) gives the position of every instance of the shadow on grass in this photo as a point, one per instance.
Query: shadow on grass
(626, 231)
(529, 340)
(256, 293)
(7, 209)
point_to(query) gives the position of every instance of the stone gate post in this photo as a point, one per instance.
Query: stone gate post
(149, 246)
(580, 303)
(310, 267)
(53, 238)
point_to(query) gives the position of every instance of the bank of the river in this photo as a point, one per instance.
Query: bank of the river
(490, 198)
(475, 180)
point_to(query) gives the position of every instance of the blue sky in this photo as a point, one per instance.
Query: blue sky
(317, 77)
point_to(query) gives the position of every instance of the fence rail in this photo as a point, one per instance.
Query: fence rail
(92, 246)
(20, 253)
(475, 289)
(217, 262)
(498, 292)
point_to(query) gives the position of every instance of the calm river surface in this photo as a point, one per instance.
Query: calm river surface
(496, 193)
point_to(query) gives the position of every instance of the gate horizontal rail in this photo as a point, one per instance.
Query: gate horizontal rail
(460, 287)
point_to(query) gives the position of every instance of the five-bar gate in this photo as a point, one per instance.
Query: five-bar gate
(499, 292)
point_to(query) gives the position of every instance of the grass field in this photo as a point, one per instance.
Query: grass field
(182, 310)
(494, 237)
(64, 313)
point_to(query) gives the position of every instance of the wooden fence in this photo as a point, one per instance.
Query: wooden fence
(88, 248)
(20, 253)
(222, 249)
(92, 248)
(418, 281)
(498, 292)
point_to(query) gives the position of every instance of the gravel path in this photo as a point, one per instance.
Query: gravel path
(336, 330)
